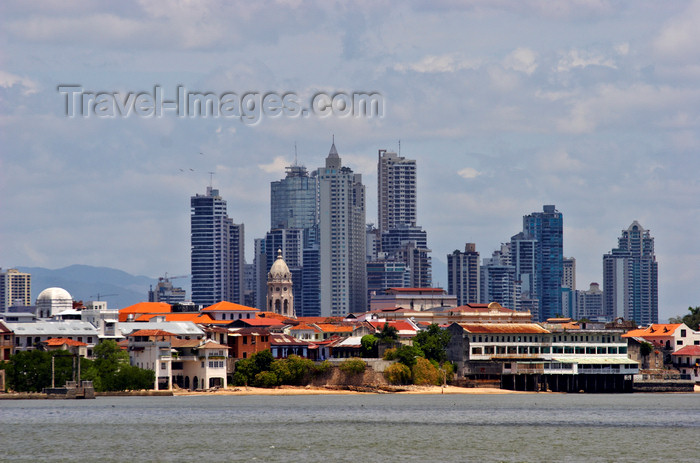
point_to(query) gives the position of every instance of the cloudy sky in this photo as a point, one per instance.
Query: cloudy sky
(591, 105)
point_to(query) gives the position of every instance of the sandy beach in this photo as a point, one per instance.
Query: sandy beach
(304, 390)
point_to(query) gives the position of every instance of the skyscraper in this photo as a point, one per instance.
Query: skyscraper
(396, 191)
(463, 275)
(630, 277)
(293, 202)
(341, 197)
(498, 280)
(217, 251)
(15, 287)
(547, 229)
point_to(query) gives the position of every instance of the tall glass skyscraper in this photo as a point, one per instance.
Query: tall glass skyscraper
(463, 275)
(217, 251)
(547, 229)
(630, 278)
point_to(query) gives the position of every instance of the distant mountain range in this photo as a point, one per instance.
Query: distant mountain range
(85, 283)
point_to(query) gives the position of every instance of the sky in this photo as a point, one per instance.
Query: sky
(591, 105)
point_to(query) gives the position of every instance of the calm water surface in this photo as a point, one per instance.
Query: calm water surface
(360, 428)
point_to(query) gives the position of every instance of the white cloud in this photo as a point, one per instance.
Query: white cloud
(276, 166)
(678, 39)
(468, 173)
(582, 59)
(522, 60)
(439, 64)
(8, 80)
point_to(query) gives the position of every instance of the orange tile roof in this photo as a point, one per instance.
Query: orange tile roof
(229, 307)
(330, 328)
(144, 308)
(503, 328)
(259, 321)
(656, 329)
(151, 333)
(400, 325)
(319, 319)
(193, 317)
(63, 341)
(304, 327)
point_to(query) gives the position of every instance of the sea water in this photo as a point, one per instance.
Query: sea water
(355, 428)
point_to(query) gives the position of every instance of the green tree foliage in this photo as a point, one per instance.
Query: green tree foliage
(398, 373)
(645, 348)
(322, 367)
(370, 345)
(408, 354)
(425, 373)
(390, 354)
(353, 366)
(692, 319)
(30, 371)
(266, 379)
(247, 369)
(293, 370)
(388, 335)
(433, 342)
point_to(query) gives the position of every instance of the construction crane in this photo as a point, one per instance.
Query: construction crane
(102, 295)
(167, 278)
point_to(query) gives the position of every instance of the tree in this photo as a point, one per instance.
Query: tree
(398, 373)
(353, 366)
(408, 354)
(433, 342)
(369, 346)
(388, 335)
(425, 373)
(692, 319)
(247, 369)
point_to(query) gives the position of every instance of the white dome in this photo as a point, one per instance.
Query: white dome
(279, 269)
(53, 294)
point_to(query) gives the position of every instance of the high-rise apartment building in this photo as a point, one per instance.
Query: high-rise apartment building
(630, 277)
(546, 228)
(293, 203)
(589, 303)
(498, 279)
(396, 191)
(341, 197)
(463, 275)
(217, 251)
(15, 288)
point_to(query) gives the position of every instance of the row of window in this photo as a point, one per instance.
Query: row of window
(554, 338)
(578, 350)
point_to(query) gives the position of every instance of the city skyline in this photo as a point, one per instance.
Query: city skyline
(505, 106)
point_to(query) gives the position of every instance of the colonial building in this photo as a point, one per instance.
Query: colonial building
(280, 299)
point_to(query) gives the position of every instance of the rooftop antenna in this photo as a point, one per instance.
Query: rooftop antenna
(211, 179)
(334, 139)
(295, 155)
(399, 147)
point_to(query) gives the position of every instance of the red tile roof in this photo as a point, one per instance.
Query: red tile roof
(304, 327)
(330, 328)
(693, 351)
(259, 321)
(54, 342)
(229, 307)
(400, 325)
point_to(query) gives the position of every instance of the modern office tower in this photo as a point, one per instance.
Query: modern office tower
(523, 251)
(463, 275)
(373, 243)
(310, 283)
(260, 263)
(396, 191)
(383, 274)
(590, 303)
(217, 251)
(498, 283)
(15, 288)
(568, 279)
(341, 238)
(630, 278)
(546, 228)
(166, 292)
(410, 244)
(293, 202)
(249, 285)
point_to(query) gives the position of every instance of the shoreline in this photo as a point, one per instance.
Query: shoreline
(313, 390)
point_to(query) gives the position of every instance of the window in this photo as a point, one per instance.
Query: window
(163, 366)
(679, 343)
(682, 333)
